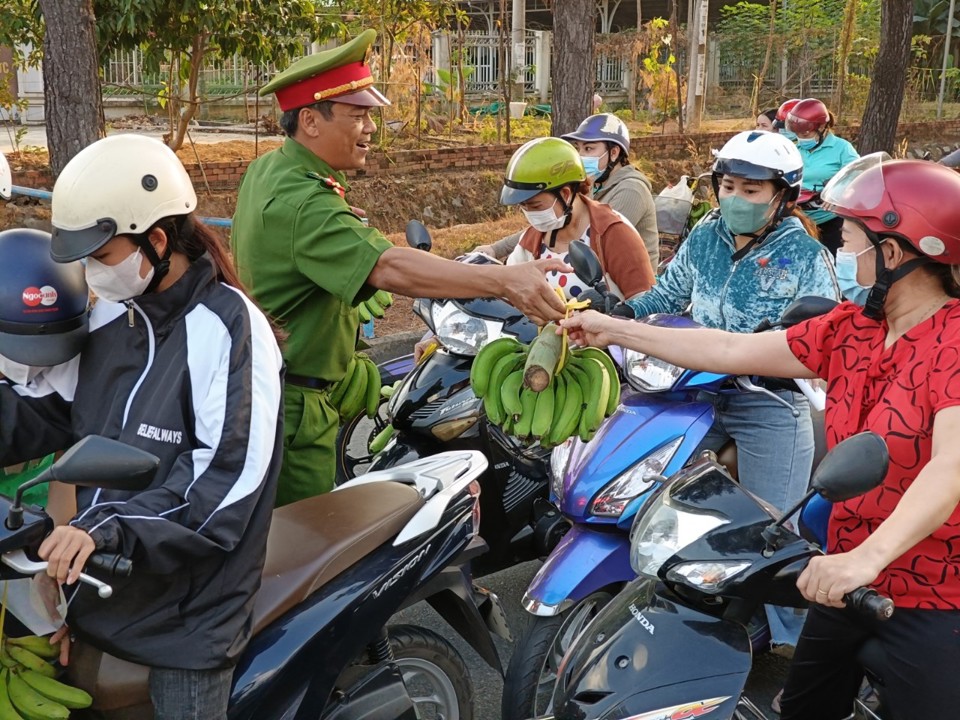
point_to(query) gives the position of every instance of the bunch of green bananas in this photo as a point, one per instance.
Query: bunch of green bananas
(359, 390)
(28, 688)
(375, 306)
(584, 391)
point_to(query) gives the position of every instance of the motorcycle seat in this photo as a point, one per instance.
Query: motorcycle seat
(314, 540)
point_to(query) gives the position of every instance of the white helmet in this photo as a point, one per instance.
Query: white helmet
(760, 155)
(120, 185)
(6, 178)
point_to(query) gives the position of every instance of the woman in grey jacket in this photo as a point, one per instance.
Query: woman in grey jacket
(603, 142)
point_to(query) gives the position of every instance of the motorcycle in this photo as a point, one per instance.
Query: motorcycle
(599, 488)
(434, 409)
(708, 554)
(338, 566)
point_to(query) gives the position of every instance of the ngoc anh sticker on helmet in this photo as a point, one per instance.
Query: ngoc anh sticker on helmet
(45, 296)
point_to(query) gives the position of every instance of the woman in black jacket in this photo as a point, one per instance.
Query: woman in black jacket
(181, 363)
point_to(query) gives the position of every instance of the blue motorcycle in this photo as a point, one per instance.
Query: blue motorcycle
(600, 486)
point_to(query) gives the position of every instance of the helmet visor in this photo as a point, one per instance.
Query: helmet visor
(858, 188)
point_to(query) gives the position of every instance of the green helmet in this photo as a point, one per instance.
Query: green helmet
(543, 164)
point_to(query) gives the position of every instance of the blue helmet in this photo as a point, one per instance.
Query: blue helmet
(43, 304)
(602, 128)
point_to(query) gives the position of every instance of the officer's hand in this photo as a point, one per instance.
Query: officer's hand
(66, 550)
(529, 292)
(589, 328)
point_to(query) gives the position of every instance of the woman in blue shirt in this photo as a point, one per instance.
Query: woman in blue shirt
(823, 155)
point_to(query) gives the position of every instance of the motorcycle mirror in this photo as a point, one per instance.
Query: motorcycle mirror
(418, 237)
(95, 461)
(854, 467)
(804, 308)
(585, 263)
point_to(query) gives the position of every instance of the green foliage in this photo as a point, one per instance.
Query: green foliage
(21, 25)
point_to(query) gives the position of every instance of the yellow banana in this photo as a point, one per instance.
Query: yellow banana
(611, 369)
(365, 315)
(510, 393)
(70, 697)
(485, 361)
(31, 704)
(336, 396)
(384, 298)
(7, 710)
(36, 644)
(528, 399)
(569, 418)
(381, 439)
(543, 414)
(31, 661)
(373, 388)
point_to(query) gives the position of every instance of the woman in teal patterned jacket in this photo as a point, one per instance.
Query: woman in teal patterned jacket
(739, 267)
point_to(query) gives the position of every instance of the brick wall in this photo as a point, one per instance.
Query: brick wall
(226, 176)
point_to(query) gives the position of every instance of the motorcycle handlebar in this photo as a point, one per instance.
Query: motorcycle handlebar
(870, 603)
(111, 563)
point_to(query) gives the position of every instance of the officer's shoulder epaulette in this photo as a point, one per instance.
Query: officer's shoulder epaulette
(329, 181)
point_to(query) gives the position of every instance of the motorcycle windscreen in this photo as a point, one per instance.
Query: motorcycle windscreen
(640, 651)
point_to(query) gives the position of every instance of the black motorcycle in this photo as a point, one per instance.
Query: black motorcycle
(674, 643)
(434, 409)
(338, 567)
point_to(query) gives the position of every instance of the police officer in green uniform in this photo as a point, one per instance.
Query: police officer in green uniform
(309, 260)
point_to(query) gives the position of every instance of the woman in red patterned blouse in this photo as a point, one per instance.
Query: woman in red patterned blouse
(891, 359)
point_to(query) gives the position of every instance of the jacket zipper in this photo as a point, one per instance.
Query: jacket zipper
(723, 292)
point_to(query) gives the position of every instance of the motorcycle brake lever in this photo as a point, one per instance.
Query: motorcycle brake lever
(747, 384)
(18, 560)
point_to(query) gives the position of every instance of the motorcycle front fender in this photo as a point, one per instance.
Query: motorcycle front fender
(645, 651)
(583, 562)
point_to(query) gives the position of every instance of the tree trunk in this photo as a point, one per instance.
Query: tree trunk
(574, 68)
(879, 126)
(843, 61)
(71, 79)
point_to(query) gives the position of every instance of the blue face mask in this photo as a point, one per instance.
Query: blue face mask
(807, 144)
(742, 216)
(847, 276)
(791, 136)
(592, 166)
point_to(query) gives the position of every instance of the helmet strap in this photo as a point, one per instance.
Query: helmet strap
(161, 265)
(886, 277)
(605, 175)
(567, 207)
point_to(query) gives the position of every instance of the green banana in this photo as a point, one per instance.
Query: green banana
(384, 298)
(7, 710)
(510, 393)
(569, 419)
(31, 661)
(604, 359)
(597, 399)
(374, 308)
(5, 659)
(387, 391)
(485, 361)
(68, 696)
(543, 415)
(491, 401)
(560, 398)
(528, 399)
(31, 704)
(365, 315)
(353, 399)
(372, 396)
(336, 397)
(381, 439)
(36, 644)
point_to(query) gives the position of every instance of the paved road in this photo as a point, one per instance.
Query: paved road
(510, 584)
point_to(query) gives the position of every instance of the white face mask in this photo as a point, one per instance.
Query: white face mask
(117, 282)
(545, 220)
(17, 373)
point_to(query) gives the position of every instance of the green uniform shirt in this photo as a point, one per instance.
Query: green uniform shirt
(305, 256)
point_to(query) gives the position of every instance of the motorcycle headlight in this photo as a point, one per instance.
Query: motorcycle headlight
(637, 479)
(647, 373)
(461, 332)
(558, 465)
(662, 529)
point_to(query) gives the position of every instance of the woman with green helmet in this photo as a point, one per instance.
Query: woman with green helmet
(546, 178)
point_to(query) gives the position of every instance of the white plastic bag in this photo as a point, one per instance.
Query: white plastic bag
(673, 206)
(37, 602)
